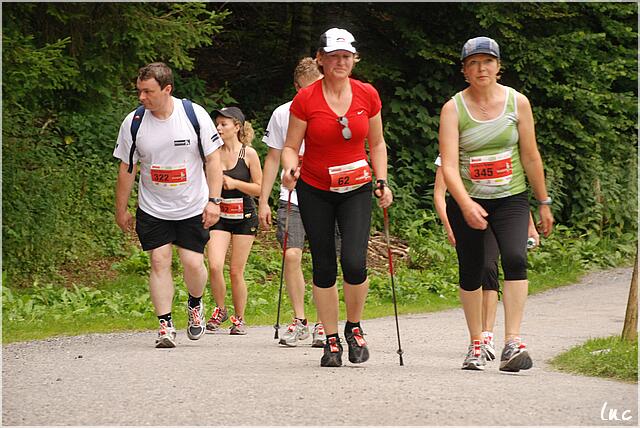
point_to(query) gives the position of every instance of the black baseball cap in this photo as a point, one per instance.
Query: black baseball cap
(230, 112)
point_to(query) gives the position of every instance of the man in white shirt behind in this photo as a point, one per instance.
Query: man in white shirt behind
(305, 73)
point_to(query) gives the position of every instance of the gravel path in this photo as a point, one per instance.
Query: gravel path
(121, 379)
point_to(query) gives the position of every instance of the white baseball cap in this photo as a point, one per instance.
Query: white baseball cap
(337, 39)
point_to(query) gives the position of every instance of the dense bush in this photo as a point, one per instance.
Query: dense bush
(67, 83)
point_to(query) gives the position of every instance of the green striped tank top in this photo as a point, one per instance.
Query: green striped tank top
(489, 154)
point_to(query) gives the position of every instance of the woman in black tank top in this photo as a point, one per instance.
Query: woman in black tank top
(238, 223)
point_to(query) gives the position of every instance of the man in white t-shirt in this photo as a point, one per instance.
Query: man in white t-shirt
(306, 73)
(177, 202)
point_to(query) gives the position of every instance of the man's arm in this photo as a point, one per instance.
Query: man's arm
(124, 185)
(269, 173)
(211, 213)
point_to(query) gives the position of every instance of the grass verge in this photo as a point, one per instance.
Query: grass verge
(609, 357)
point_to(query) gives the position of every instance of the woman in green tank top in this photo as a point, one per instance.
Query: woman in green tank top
(488, 147)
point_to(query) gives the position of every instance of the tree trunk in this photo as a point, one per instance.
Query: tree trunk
(630, 329)
(301, 40)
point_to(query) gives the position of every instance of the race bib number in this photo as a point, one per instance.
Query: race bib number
(232, 208)
(169, 176)
(492, 170)
(350, 176)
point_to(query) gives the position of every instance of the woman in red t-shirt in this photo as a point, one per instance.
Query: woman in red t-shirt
(334, 116)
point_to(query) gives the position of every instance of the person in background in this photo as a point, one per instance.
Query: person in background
(175, 197)
(305, 73)
(238, 225)
(490, 282)
(488, 144)
(335, 116)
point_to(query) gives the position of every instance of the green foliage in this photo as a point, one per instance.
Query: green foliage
(68, 71)
(68, 81)
(56, 210)
(51, 303)
(137, 263)
(610, 357)
(86, 52)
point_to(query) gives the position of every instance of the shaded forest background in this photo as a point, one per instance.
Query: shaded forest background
(68, 80)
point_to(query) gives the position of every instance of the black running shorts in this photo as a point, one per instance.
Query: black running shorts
(154, 232)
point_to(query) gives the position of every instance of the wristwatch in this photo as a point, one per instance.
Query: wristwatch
(216, 201)
(547, 201)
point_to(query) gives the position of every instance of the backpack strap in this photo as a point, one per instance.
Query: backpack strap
(135, 125)
(191, 114)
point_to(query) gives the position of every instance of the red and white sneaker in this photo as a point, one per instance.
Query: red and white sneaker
(515, 356)
(475, 359)
(238, 326)
(166, 336)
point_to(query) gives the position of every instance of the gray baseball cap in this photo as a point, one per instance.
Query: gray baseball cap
(479, 45)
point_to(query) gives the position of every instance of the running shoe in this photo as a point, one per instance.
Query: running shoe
(195, 326)
(475, 359)
(295, 331)
(332, 356)
(238, 326)
(317, 336)
(358, 351)
(489, 348)
(218, 316)
(166, 336)
(515, 356)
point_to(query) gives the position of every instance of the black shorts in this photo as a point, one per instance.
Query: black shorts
(246, 226)
(155, 232)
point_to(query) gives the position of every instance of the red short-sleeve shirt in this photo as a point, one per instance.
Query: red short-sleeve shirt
(324, 144)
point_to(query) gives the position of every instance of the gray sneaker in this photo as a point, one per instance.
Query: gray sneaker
(489, 349)
(195, 326)
(238, 326)
(515, 356)
(318, 338)
(475, 359)
(295, 331)
(166, 336)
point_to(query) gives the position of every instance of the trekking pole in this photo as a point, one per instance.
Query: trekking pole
(284, 250)
(393, 286)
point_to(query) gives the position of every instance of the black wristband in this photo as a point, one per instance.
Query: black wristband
(216, 201)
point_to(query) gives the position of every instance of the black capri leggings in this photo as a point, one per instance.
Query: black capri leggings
(320, 209)
(490, 271)
(508, 219)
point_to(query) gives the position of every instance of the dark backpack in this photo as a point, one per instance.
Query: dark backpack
(137, 119)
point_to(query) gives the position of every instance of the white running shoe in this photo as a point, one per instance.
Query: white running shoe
(295, 331)
(166, 336)
(318, 337)
(475, 359)
(489, 348)
(196, 326)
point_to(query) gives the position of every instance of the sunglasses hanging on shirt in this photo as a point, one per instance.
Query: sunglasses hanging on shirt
(346, 132)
